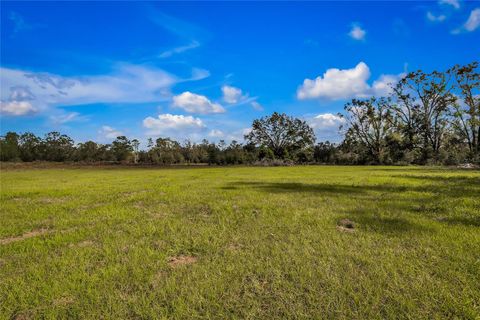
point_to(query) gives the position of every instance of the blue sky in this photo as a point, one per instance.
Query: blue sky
(193, 70)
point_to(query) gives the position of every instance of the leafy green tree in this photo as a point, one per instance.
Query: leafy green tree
(166, 151)
(88, 151)
(121, 148)
(282, 134)
(369, 122)
(324, 152)
(430, 96)
(467, 109)
(9, 149)
(57, 147)
(30, 147)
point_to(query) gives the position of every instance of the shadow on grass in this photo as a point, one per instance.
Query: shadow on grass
(464, 221)
(295, 187)
(467, 181)
(430, 201)
(388, 225)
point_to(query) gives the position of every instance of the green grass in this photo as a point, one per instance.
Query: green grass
(263, 243)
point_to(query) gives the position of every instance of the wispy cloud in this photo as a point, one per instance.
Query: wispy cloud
(127, 83)
(62, 118)
(166, 54)
(454, 3)
(187, 32)
(435, 18)
(19, 23)
(472, 23)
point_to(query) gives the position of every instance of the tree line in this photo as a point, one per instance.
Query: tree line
(429, 118)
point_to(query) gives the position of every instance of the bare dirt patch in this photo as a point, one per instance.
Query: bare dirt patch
(30, 234)
(50, 200)
(83, 244)
(234, 247)
(63, 301)
(178, 261)
(346, 225)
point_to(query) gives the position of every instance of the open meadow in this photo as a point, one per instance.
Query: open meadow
(240, 243)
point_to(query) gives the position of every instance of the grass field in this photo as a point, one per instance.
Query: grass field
(239, 242)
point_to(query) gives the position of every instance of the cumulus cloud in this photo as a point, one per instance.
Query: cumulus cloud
(16, 108)
(326, 126)
(453, 3)
(126, 84)
(232, 94)
(235, 96)
(170, 123)
(195, 103)
(109, 132)
(337, 84)
(357, 32)
(433, 18)
(383, 85)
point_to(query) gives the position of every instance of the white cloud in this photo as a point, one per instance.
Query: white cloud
(169, 123)
(126, 84)
(231, 94)
(257, 106)
(453, 3)
(64, 118)
(216, 133)
(326, 126)
(109, 132)
(16, 108)
(337, 84)
(383, 85)
(434, 18)
(473, 21)
(195, 103)
(357, 32)
(192, 45)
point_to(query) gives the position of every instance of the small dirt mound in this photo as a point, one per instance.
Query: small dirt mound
(181, 260)
(346, 225)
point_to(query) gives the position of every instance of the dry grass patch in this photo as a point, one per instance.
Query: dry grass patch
(30, 234)
(178, 261)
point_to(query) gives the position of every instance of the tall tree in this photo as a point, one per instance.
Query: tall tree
(121, 148)
(57, 147)
(282, 134)
(30, 147)
(430, 96)
(467, 109)
(9, 149)
(369, 123)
